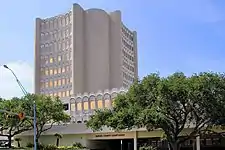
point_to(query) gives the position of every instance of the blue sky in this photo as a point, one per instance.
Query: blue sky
(173, 35)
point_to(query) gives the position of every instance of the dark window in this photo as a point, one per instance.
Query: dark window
(66, 106)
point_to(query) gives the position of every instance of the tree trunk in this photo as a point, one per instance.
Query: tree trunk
(175, 146)
(9, 141)
(18, 143)
(57, 142)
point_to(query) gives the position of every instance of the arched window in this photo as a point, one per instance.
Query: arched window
(113, 96)
(55, 23)
(85, 103)
(99, 101)
(107, 101)
(72, 104)
(67, 19)
(79, 104)
(92, 102)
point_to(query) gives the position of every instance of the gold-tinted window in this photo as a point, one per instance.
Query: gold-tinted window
(55, 83)
(51, 60)
(63, 69)
(92, 104)
(72, 107)
(63, 81)
(71, 92)
(59, 70)
(113, 102)
(50, 71)
(85, 105)
(55, 94)
(79, 106)
(46, 71)
(51, 94)
(107, 103)
(67, 93)
(50, 83)
(68, 81)
(59, 94)
(113, 98)
(63, 94)
(59, 82)
(59, 58)
(99, 103)
(55, 71)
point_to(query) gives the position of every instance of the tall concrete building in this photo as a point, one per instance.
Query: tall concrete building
(83, 51)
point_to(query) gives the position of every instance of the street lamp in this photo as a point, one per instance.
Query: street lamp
(17, 80)
(34, 103)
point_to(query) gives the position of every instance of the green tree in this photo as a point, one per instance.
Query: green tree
(168, 103)
(10, 124)
(49, 111)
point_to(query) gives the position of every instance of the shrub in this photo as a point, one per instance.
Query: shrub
(147, 148)
(39, 146)
(68, 148)
(30, 145)
(78, 145)
(50, 147)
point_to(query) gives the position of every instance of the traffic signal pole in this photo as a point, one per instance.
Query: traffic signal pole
(34, 104)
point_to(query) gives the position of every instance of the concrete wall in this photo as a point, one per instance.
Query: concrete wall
(67, 140)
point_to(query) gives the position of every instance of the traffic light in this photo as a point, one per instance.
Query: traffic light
(21, 116)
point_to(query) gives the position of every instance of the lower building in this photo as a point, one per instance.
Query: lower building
(124, 140)
(82, 106)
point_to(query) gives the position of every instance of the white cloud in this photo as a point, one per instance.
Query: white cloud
(8, 85)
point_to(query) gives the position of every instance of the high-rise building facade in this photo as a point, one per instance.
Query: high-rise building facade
(84, 51)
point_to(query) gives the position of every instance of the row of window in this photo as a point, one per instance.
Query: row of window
(56, 35)
(56, 22)
(127, 45)
(60, 45)
(59, 58)
(125, 85)
(128, 56)
(56, 83)
(60, 70)
(129, 67)
(128, 77)
(129, 36)
(91, 105)
(60, 94)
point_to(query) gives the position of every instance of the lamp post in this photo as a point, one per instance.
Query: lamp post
(34, 103)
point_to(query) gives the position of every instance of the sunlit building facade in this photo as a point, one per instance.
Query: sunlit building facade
(83, 51)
